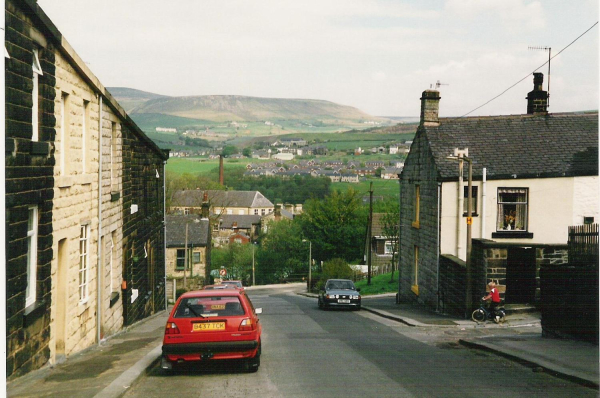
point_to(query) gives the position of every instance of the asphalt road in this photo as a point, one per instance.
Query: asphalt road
(308, 352)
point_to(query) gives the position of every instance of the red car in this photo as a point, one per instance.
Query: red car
(211, 325)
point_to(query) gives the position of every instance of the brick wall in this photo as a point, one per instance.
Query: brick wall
(29, 182)
(419, 169)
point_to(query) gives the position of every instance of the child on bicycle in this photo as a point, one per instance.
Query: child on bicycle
(493, 295)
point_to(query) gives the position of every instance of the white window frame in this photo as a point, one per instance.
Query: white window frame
(113, 153)
(111, 261)
(32, 238)
(388, 247)
(84, 135)
(63, 133)
(84, 262)
(37, 72)
(501, 218)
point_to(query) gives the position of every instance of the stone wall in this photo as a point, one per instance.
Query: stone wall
(419, 169)
(569, 302)
(453, 282)
(29, 182)
(143, 228)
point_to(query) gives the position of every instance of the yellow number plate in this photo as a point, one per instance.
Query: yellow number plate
(217, 307)
(205, 327)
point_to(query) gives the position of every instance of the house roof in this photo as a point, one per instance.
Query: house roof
(197, 230)
(244, 221)
(518, 146)
(193, 198)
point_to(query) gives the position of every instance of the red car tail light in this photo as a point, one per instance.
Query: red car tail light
(171, 328)
(247, 324)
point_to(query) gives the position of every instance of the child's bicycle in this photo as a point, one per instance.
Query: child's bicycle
(482, 314)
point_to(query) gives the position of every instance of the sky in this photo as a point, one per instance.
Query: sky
(375, 55)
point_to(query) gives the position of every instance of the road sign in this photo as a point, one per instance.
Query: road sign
(223, 272)
(469, 220)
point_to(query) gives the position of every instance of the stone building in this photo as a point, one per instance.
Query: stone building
(534, 175)
(84, 201)
(197, 242)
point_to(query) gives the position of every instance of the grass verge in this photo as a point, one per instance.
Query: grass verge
(379, 284)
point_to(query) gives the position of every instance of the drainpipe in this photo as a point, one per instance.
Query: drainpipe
(460, 201)
(99, 266)
(3, 206)
(439, 226)
(483, 200)
(165, 230)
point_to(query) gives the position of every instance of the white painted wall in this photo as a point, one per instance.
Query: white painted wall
(554, 205)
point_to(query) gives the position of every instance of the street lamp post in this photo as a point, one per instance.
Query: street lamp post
(309, 262)
(464, 157)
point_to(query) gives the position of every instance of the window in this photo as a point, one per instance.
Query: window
(196, 257)
(256, 212)
(415, 272)
(32, 235)
(512, 209)
(388, 248)
(186, 211)
(180, 259)
(474, 200)
(229, 211)
(84, 261)
(241, 212)
(37, 72)
(417, 206)
(64, 132)
(263, 212)
(113, 154)
(84, 136)
(112, 262)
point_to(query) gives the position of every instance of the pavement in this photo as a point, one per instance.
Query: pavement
(109, 369)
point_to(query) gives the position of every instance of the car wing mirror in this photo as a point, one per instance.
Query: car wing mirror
(358, 289)
(258, 311)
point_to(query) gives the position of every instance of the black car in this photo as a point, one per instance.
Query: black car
(339, 293)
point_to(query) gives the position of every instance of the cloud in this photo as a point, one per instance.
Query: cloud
(513, 13)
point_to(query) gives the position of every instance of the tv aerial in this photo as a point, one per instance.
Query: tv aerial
(438, 84)
(549, 49)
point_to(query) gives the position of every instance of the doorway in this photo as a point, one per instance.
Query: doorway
(520, 276)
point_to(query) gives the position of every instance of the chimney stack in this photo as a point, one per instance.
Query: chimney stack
(537, 100)
(430, 106)
(205, 209)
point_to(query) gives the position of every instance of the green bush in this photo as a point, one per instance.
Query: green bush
(336, 268)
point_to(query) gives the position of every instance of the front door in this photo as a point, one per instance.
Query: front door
(520, 276)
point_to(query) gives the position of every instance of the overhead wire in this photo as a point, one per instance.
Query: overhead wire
(529, 74)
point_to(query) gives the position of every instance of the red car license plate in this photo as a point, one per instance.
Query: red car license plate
(209, 326)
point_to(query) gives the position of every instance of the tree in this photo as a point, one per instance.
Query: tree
(247, 152)
(236, 259)
(282, 252)
(336, 225)
(229, 150)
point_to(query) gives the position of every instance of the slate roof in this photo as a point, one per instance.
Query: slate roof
(518, 146)
(244, 221)
(175, 230)
(193, 198)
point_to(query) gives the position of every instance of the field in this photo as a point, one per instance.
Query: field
(385, 188)
(198, 165)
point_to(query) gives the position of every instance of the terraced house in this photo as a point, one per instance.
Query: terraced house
(84, 201)
(533, 176)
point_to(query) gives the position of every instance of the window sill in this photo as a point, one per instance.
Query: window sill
(472, 215)
(416, 224)
(64, 181)
(34, 312)
(512, 235)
